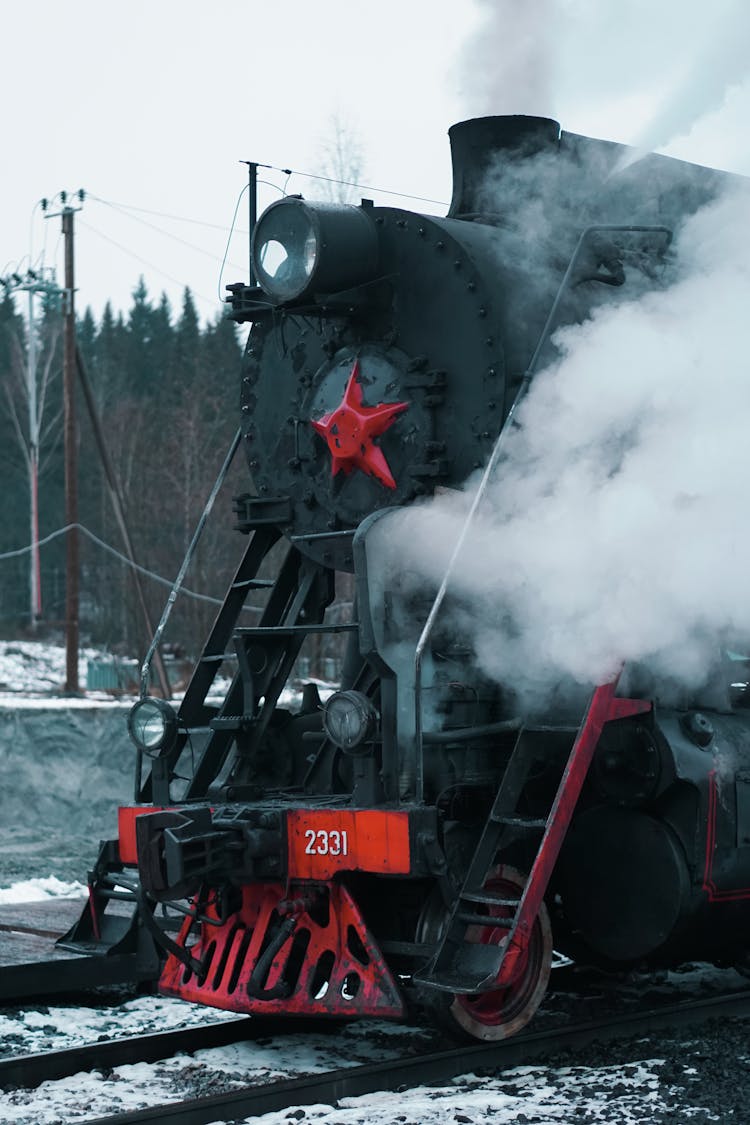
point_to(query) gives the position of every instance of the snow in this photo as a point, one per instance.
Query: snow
(32, 677)
(36, 890)
(32, 668)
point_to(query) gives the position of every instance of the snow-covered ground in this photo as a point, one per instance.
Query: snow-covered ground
(654, 1080)
(33, 670)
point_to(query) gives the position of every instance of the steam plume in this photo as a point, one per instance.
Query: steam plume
(616, 528)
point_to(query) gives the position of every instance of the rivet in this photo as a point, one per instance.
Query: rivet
(440, 246)
(471, 286)
(483, 312)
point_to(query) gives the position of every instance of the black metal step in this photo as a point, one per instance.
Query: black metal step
(291, 630)
(230, 722)
(474, 969)
(488, 898)
(474, 918)
(532, 824)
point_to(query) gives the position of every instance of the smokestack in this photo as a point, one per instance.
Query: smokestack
(476, 143)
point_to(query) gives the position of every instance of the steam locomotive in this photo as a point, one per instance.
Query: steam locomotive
(413, 838)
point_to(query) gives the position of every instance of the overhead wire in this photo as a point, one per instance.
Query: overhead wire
(229, 239)
(20, 551)
(353, 183)
(145, 261)
(158, 214)
(165, 233)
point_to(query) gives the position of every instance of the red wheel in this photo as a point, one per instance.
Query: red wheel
(504, 1011)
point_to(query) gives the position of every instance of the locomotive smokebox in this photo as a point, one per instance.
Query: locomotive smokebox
(475, 145)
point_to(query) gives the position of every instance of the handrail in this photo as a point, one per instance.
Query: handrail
(146, 668)
(489, 469)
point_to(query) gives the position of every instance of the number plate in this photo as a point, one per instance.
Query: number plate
(322, 842)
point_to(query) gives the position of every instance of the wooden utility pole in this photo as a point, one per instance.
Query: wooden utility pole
(71, 462)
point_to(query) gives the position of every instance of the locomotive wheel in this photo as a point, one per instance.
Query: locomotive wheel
(501, 1012)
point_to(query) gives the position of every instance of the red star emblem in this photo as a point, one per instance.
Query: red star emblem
(349, 431)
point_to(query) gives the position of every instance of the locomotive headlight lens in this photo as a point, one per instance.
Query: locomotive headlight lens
(349, 720)
(152, 725)
(285, 249)
(303, 248)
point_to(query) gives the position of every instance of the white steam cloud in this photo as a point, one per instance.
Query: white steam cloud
(616, 529)
(506, 66)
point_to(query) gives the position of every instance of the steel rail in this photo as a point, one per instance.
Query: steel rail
(29, 1071)
(436, 1067)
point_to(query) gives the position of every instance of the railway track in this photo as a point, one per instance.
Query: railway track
(426, 1068)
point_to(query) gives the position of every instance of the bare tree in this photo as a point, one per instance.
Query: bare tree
(342, 161)
(25, 396)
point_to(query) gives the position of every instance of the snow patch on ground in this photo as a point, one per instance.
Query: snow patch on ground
(34, 667)
(36, 890)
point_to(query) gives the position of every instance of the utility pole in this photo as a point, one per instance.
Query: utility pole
(35, 590)
(72, 564)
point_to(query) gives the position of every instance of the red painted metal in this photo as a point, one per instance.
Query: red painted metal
(305, 952)
(350, 429)
(716, 894)
(603, 707)
(126, 818)
(503, 1011)
(322, 842)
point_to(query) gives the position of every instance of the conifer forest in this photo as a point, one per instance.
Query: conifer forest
(166, 390)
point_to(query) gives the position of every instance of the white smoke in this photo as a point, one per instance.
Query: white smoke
(616, 529)
(506, 66)
(647, 74)
(716, 64)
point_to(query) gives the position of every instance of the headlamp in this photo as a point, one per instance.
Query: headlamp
(301, 248)
(152, 725)
(349, 720)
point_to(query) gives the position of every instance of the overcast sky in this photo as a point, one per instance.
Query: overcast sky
(150, 106)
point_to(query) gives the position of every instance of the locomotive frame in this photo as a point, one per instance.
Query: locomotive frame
(358, 855)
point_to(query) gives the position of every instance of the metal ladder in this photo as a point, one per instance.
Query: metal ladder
(462, 966)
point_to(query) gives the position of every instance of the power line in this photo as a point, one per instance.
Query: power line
(352, 183)
(110, 550)
(145, 262)
(166, 233)
(159, 214)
